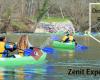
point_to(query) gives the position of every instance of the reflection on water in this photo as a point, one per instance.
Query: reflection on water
(1, 75)
(48, 71)
(20, 74)
(56, 65)
(23, 73)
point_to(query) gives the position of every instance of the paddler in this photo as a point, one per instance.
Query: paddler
(68, 37)
(22, 44)
(5, 47)
(26, 49)
(65, 38)
(71, 38)
(2, 45)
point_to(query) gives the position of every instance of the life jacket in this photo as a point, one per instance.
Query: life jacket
(2, 48)
(21, 52)
(64, 38)
(71, 38)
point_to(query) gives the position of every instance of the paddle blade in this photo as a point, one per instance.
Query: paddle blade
(46, 43)
(48, 50)
(81, 47)
(55, 38)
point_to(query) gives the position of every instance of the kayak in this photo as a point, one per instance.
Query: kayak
(66, 46)
(20, 61)
(70, 47)
(62, 45)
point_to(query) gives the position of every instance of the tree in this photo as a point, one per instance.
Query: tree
(41, 12)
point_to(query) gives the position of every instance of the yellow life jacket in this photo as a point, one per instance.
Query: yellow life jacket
(64, 38)
(20, 52)
(2, 48)
(71, 38)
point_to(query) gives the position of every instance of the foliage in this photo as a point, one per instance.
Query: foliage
(75, 10)
(43, 10)
(19, 26)
(7, 13)
(54, 19)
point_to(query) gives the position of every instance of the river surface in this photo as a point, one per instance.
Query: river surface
(56, 65)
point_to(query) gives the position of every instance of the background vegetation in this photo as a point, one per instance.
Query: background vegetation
(24, 15)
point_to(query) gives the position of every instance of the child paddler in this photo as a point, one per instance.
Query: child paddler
(26, 49)
(22, 44)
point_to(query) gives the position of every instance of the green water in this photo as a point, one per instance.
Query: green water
(56, 65)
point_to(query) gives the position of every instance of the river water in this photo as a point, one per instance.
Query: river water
(56, 65)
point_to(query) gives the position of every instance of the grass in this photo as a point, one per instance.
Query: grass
(52, 19)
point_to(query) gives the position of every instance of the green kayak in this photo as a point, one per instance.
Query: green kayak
(20, 61)
(61, 45)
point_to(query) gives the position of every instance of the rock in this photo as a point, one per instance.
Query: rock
(57, 26)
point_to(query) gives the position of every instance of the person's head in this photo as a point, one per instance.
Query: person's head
(3, 38)
(71, 34)
(67, 33)
(23, 42)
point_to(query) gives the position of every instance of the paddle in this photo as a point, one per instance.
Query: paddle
(46, 43)
(47, 49)
(81, 47)
(55, 38)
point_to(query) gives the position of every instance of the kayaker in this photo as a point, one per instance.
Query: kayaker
(23, 44)
(2, 45)
(26, 49)
(5, 47)
(68, 37)
(65, 38)
(71, 38)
